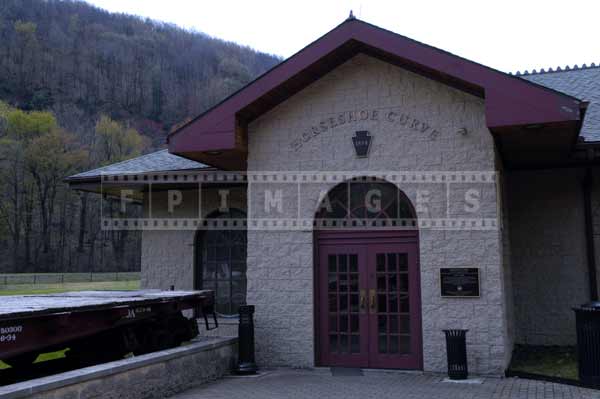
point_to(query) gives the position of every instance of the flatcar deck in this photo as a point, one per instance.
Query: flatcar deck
(97, 326)
(34, 305)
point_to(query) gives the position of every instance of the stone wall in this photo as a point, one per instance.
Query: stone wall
(155, 375)
(168, 254)
(548, 253)
(417, 125)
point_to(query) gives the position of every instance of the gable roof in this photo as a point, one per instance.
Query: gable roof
(580, 82)
(218, 136)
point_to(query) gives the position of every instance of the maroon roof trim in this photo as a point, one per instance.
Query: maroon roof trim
(509, 100)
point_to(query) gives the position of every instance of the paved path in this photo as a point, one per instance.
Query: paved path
(320, 384)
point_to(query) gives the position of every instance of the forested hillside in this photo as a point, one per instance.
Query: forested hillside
(80, 62)
(74, 81)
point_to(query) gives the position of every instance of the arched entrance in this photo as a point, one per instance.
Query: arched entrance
(220, 262)
(367, 285)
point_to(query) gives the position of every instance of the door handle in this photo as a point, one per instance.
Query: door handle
(372, 301)
(363, 301)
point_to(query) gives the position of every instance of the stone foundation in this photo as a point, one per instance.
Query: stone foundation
(155, 375)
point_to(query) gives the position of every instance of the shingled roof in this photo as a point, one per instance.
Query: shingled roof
(158, 161)
(580, 82)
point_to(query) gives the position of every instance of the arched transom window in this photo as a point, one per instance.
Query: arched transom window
(357, 201)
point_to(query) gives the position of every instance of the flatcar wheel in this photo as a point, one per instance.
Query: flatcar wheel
(155, 336)
(22, 361)
(162, 340)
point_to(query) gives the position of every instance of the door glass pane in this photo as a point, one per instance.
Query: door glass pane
(344, 323)
(343, 343)
(392, 303)
(403, 262)
(393, 324)
(405, 324)
(332, 265)
(404, 282)
(405, 344)
(210, 285)
(333, 303)
(353, 263)
(343, 282)
(238, 253)
(354, 303)
(380, 262)
(382, 346)
(354, 323)
(355, 344)
(209, 271)
(404, 304)
(343, 264)
(333, 343)
(343, 303)
(238, 294)
(354, 282)
(382, 324)
(393, 344)
(333, 323)
(391, 262)
(332, 282)
(238, 270)
(223, 271)
(223, 297)
(381, 283)
(381, 303)
(392, 282)
(222, 253)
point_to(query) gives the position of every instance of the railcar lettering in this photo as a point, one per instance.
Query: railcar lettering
(8, 338)
(11, 330)
(132, 313)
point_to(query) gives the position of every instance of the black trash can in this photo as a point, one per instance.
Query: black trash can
(246, 362)
(456, 352)
(587, 319)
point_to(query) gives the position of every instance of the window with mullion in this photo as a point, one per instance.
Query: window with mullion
(222, 266)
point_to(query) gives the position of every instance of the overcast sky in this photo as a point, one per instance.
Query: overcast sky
(509, 35)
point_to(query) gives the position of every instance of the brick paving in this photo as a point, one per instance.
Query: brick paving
(318, 384)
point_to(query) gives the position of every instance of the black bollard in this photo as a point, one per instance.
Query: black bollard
(587, 323)
(246, 362)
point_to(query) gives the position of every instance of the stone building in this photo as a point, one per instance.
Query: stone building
(371, 191)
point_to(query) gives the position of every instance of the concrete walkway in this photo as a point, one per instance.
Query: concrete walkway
(320, 384)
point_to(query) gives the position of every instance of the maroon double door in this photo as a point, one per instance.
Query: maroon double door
(368, 300)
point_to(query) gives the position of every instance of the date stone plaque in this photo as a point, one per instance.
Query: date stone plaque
(459, 282)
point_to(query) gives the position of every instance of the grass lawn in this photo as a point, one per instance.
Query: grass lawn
(554, 361)
(31, 289)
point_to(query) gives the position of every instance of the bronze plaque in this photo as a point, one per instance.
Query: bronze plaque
(459, 282)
